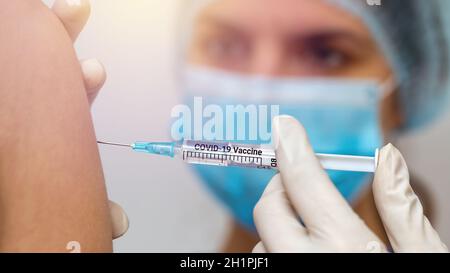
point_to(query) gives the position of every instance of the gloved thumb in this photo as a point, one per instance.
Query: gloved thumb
(399, 207)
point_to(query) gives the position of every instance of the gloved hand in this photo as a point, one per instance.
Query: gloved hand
(74, 14)
(303, 189)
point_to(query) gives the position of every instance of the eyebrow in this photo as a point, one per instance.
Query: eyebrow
(318, 35)
(322, 36)
(221, 23)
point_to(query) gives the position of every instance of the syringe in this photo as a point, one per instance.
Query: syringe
(229, 154)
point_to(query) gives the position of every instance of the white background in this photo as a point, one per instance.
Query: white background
(168, 208)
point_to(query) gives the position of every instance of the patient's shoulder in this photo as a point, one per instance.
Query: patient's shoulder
(32, 35)
(24, 11)
(26, 22)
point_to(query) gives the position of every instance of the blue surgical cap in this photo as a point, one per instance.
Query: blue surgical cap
(414, 37)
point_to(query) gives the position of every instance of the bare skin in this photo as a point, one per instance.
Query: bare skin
(52, 188)
(291, 38)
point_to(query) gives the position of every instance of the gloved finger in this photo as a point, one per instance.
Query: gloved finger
(311, 192)
(73, 14)
(399, 207)
(277, 223)
(259, 248)
(94, 75)
(119, 220)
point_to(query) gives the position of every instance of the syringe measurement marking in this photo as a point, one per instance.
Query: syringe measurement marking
(223, 157)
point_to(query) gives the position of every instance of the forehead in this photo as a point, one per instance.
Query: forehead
(281, 16)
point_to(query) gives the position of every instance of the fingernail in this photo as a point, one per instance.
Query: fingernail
(289, 134)
(276, 132)
(278, 128)
(73, 2)
(73, 14)
(393, 162)
(72, 9)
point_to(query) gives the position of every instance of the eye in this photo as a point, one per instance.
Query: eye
(325, 57)
(320, 58)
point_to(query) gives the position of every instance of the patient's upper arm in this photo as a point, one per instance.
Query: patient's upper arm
(51, 184)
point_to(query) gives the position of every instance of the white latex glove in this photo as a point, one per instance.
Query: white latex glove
(303, 189)
(74, 15)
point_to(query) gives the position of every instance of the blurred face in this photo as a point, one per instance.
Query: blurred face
(300, 38)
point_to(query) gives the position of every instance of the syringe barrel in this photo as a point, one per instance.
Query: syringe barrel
(347, 163)
(229, 154)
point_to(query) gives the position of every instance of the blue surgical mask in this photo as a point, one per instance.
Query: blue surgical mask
(340, 116)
